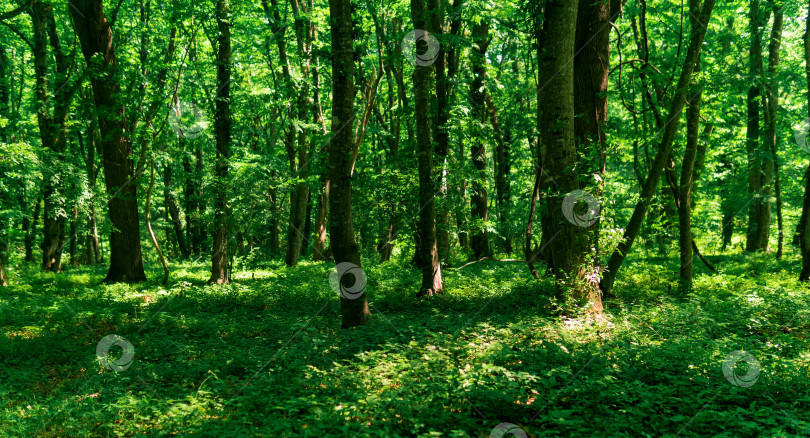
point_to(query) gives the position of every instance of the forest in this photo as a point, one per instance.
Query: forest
(415, 218)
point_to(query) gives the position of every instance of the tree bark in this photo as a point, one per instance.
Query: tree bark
(427, 247)
(354, 308)
(664, 149)
(220, 274)
(95, 35)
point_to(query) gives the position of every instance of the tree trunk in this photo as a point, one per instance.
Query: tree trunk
(3, 255)
(354, 307)
(805, 226)
(321, 214)
(95, 35)
(591, 66)
(479, 240)
(759, 170)
(74, 229)
(31, 231)
(52, 135)
(174, 210)
(772, 119)
(92, 252)
(571, 246)
(3, 276)
(427, 247)
(502, 170)
(435, 23)
(688, 169)
(462, 223)
(220, 274)
(664, 149)
(192, 194)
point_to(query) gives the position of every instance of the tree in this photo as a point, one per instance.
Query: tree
(572, 244)
(52, 130)
(3, 276)
(428, 249)
(804, 231)
(688, 168)
(479, 241)
(98, 47)
(220, 273)
(771, 118)
(354, 309)
(760, 164)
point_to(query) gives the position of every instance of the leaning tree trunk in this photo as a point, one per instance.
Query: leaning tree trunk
(354, 306)
(96, 37)
(222, 124)
(664, 149)
(688, 170)
(427, 246)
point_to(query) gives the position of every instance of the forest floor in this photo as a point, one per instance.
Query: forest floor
(265, 356)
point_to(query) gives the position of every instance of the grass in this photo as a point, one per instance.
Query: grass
(265, 355)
